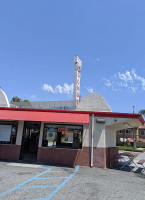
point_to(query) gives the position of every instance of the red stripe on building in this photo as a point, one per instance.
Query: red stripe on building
(44, 116)
(97, 114)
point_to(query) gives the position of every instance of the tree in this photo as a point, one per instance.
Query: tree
(25, 100)
(142, 112)
(15, 99)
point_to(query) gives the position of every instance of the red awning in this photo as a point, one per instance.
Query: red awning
(130, 140)
(44, 116)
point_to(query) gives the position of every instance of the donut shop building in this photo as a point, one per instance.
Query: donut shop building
(85, 138)
(77, 132)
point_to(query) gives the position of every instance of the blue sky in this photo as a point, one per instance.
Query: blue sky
(38, 41)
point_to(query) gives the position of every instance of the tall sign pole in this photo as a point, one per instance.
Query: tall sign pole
(77, 76)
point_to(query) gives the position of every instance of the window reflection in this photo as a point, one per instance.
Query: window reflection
(66, 136)
(8, 132)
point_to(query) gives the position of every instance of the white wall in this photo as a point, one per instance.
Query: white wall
(19, 132)
(105, 134)
(86, 135)
(110, 137)
(99, 134)
(41, 134)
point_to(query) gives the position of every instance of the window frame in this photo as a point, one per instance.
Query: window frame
(128, 131)
(122, 131)
(63, 126)
(143, 132)
(12, 138)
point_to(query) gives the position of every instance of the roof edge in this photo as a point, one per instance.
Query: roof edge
(99, 114)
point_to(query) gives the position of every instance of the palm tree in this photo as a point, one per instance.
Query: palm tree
(142, 112)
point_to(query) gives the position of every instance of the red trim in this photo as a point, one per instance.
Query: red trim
(44, 116)
(97, 114)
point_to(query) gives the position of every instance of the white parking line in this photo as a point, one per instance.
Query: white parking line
(24, 165)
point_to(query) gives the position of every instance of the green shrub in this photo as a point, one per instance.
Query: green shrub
(126, 148)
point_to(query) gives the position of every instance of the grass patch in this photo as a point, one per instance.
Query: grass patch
(125, 148)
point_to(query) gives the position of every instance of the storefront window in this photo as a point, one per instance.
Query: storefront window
(8, 132)
(62, 136)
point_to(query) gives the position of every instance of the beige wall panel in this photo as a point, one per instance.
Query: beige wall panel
(19, 132)
(99, 134)
(86, 135)
(110, 135)
(41, 134)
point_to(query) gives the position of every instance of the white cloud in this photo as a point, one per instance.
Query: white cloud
(68, 89)
(129, 80)
(90, 90)
(125, 77)
(32, 97)
(122, 84)
(139, 78)
(58, 89)
(107, 82)
(133, 89)
(47, 88)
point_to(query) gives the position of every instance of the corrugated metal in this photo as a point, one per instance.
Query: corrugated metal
(44, 116)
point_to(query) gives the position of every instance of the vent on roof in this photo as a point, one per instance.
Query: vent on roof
(100, 121)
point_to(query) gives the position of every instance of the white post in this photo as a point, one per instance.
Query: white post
(20, 132)
(41, 134)
(77, 76)
(92, 146)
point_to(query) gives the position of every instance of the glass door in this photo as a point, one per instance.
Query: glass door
(30, 141)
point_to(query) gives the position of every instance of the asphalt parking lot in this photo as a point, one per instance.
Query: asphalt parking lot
(43, 182)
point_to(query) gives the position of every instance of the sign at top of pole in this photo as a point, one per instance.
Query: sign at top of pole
(77, 76)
